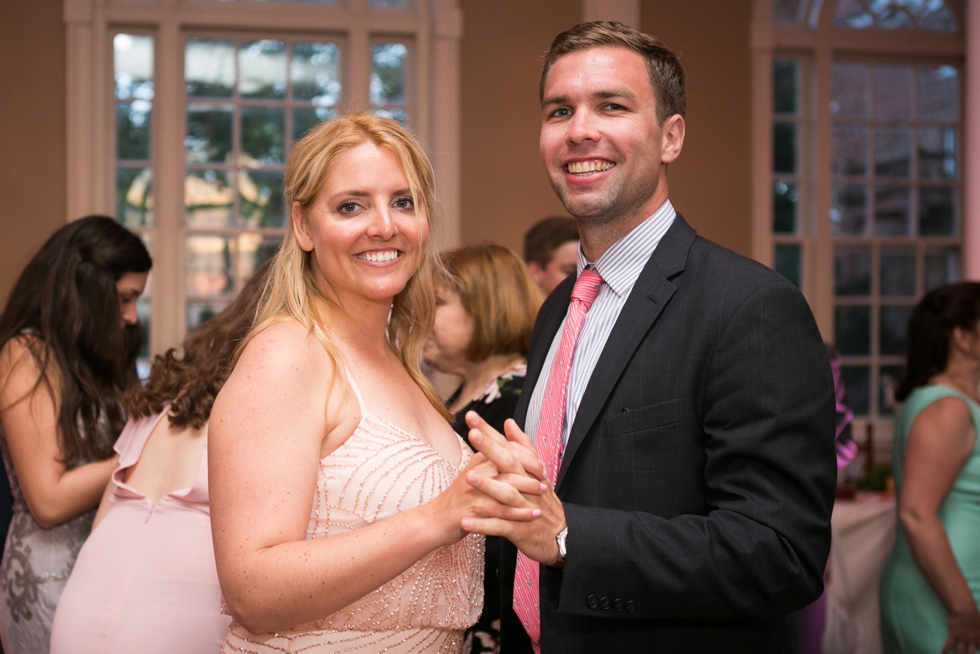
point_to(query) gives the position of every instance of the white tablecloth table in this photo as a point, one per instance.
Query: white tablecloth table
(865, 530)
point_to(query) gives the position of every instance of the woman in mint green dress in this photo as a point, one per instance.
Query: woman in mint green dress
(930, 587)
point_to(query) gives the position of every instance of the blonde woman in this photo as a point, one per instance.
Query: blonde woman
(336, 480)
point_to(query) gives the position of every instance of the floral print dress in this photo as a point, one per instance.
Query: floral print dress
(495, 405)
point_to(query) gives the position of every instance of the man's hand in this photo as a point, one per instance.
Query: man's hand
(518, 463)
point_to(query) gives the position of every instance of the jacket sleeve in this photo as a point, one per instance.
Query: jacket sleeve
(760, 548)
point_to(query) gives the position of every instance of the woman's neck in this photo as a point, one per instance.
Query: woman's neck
(963, 374)
(478, 376)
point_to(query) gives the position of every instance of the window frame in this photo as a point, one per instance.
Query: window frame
(434, 27)
(823, 44)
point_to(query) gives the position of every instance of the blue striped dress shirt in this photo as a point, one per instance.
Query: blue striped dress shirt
(619, 266)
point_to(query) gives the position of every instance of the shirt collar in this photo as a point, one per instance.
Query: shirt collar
(622, 263)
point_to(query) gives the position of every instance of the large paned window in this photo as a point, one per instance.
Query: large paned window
(862, 182)
(184, 113)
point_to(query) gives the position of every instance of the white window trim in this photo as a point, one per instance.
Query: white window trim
(437, 26)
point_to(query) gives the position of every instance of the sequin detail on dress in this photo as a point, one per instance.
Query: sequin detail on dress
(379, 471)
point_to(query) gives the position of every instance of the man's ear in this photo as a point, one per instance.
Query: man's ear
(536, 271)
(301, 229)
(671, 138)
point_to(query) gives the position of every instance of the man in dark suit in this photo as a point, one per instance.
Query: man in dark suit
(696, 469)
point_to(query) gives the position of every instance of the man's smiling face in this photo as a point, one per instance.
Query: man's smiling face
(600, 139)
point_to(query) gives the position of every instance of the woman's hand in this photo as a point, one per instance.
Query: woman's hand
(53, 493)
(964, 632)
(481, 491)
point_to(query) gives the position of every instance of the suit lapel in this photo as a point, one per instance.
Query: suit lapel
(650, 294)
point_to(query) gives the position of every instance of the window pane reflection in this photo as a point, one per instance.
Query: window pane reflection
(893, 92)
(788, 261)
(943, 265)
(893, 151)
(852, 270)
(857, 380)
(209, 68)
(850, 153)
(388, 73)
(262, 69)
(784, 86)
(849, 211)
(133, 66)
(888, 379)
(892, 333)
(939, 93)
(208, 199)
(851, 89)
(784, 148)
(937, 211)
(937, 153)
(897, 271)
(260, 199)
(892, 210)
(208, 263)
(134, 197)
(784, 203)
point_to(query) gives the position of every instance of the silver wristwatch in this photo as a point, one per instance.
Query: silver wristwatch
(562, 549)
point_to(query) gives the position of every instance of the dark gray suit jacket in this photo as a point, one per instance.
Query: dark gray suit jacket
(698, 478)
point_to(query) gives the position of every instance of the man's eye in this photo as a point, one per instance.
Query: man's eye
(561, 112)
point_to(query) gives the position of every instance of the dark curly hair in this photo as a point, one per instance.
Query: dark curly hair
(190, 381)
(65, 309)
(930, 330)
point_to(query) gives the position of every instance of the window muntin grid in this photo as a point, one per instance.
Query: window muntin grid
(247, 101)
(895, 214)
(788, 167)
(924, 15)
(133, 96)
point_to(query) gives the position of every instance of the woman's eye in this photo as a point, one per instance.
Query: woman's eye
(348, 207)
(404, 203)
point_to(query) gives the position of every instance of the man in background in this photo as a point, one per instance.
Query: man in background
(551, 251)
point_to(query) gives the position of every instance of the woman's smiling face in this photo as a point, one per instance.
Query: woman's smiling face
(365, 232)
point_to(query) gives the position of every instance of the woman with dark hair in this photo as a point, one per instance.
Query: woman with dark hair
(145, 581)
(930, 587)
(486, 303)
(69, 338)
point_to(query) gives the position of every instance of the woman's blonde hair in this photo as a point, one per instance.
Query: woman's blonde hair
(495, 288)
(292, 289)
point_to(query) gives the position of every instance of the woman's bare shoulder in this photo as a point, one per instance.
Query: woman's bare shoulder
(286, 346)
(20, 370)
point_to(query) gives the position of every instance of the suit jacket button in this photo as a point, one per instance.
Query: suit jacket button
(630, 606)
(604, 604)
(592, 601)
(617, 604)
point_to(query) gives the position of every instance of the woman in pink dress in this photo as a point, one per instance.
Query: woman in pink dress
(337, 483)
(145, 580)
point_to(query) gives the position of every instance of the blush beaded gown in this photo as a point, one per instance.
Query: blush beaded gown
(379, 471)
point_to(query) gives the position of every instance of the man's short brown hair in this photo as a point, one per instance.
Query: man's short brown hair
(666, 73)
(546, 236)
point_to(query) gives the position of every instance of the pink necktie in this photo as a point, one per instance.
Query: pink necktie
(548, 441)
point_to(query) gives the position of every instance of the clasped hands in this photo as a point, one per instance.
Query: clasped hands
(523, 507)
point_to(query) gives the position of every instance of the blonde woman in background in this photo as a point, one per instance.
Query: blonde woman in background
(336, 481)
(486, 303)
